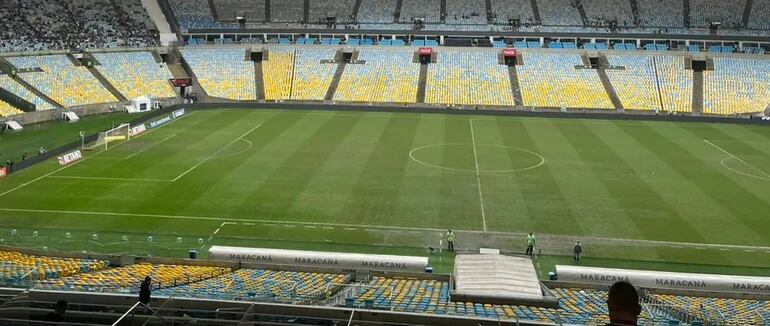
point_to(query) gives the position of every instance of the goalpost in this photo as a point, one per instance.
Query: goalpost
(118, 133)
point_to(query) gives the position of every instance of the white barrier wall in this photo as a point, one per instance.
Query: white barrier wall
(319, 259)
(665, 280)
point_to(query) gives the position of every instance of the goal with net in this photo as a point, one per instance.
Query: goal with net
(119, 133)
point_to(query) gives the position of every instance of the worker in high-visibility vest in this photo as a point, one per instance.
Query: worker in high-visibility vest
(450, 240)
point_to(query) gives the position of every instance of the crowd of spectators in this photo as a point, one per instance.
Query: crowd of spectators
(35, 25)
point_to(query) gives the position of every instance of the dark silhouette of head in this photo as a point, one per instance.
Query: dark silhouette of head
(147, 279)
(60, 307)
(623, 304)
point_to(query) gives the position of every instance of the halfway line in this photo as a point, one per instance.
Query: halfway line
(478, 177)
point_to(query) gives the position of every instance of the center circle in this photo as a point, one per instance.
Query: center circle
(484, 158)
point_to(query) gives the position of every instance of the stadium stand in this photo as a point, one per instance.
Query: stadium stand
(635, 85)
(730, 12)
(502, 10)
(123, 279)
(736, 86)
(251, 10)
(223, 73)
(429, 10)
(7, 110)
(731, 311)
(73, 24)
(606, 10)
(16, 267)
(263, 285)
(57, 77)
(342, 10)
(466, 12)
(136, 74)
(193, 14)
(551, 80)
(675, 83)
(311, 78)
(286, 11)
(559, 13)
(661, 13)
(468, 78)
(17, 89)
(377, 11)
(387, 76)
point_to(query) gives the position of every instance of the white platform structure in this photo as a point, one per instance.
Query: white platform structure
(140, 104)
(70, 116)
(13, 125)
(491, 278)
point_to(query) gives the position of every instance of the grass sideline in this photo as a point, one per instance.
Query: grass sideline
(663, 195)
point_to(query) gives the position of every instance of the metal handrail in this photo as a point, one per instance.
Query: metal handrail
(126, 313)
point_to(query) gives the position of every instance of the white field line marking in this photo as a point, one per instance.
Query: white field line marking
(148, 147)
(85, 158)
(354, 227)
(738, 158)
(478, 177)
(217, 230)
(107, 178)
(215, 153)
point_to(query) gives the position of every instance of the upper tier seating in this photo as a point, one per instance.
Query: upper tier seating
(430, 10)
(277, 74)
(602, 10)
(387, 76)
(7, 110)
(32, 25)
(135, 74)
(468, 78)
(559, 12)
(62, 81)
(636, 86)
(311, 77)
(286, 11)
(551, 80)
(128, 278)
(731, 12)
(502, 10)
(466, 12)
(661, 13)
(223, 73)
(257, 284)
(17, 89)
(675, 83)
(193, 14)
(759, 13)
(737, 85)
(377, 11)
(251, 10)
(341, 9)
(15, 265)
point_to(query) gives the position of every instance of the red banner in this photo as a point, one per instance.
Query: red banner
(508, 53)
(426, 51)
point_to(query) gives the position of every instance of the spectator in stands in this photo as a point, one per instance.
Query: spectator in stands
(530, 244)
(57, 315)
(623, 304)
(450, 240)
(144, 290)
(577, 251)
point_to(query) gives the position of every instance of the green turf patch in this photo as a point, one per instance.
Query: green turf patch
(657, 194)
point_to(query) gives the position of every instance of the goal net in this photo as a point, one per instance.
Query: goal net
(119, 133)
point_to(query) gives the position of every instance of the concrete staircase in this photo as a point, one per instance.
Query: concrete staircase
(214, 12)
(397, 16)
(686, 13)
(747, 13)
(167, 36)
(306, 11)
(267, 10)
(635, 12)
(582, 12)
(513, 75)
(259, 81)
(443, 11)
(421, 83)
(488, 6)
(535, 9)
(616, 103)
(355, 10)
(697, 92)
(335, 81)
(34, 90)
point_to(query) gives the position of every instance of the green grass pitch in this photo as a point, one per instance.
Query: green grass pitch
(687, 194)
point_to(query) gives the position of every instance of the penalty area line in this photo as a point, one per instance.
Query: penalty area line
(738, 158)
(215, 153)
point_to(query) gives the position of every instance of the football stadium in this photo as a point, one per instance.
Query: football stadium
(384, 162)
